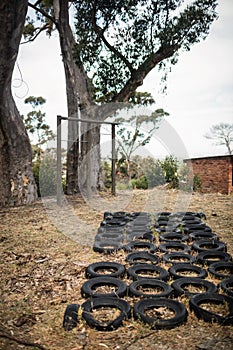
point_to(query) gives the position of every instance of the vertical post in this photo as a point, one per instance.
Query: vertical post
(59, 165)
(113, 159)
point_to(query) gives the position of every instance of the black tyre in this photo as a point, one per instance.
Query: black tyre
(201, 215)
(115, 236)
(207, 315)
(162, 213)
(113, 222)
(198, 235)
(141, 214)
(70, 319)
(207, 229)
(177, 308)
(88, 289)
(154, 270)
(227, 286)
(191, 219)
(157, 288)
(111, 229)
(184, 213)
(177, 258)
(138, 226)
(212, 256)
(192, 227)
(134, 245)
(141, 257)
(174, 237)
(120, 215)
(115, 269)
(98, 303)
(173, 247)
(163, 218)
(162, 223)
(107, 247)
(134, 235)
(180, 284)
(179, 271)
(216, 268)
(207, 244)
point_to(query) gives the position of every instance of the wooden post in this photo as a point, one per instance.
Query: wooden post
(113, 159)
(59, 164)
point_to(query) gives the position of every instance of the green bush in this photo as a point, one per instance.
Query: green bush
(154, 175)
(140, 183)
(107, 174)
(170, 170)
(197, 185)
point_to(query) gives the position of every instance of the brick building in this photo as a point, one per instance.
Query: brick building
(216, 173)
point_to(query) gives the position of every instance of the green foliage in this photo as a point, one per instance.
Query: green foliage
(147, 172)
(107, 173)
(117, 38)
(44, 164)
(39, 131)
(197, 184)
(138, 134)
(170, 170)
(153, 172)
(140, 183)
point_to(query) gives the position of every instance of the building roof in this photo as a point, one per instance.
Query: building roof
(210, 157)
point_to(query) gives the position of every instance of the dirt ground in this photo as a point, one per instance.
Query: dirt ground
(42, 271)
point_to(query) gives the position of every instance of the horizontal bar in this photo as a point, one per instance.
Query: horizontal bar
(87, 120)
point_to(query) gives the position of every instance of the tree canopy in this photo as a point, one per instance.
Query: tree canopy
(120, 42)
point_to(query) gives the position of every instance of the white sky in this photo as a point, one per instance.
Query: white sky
(199, 88)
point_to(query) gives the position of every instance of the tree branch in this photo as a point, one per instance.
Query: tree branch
(38, 2)
(138, 75)
(40, 30)
(44, 13)
(100, 32)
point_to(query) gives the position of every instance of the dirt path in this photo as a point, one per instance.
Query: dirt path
(42, 271)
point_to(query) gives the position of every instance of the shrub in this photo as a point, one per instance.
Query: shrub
(197, 185)
(107, 174)
(140, 183)
(170, 169)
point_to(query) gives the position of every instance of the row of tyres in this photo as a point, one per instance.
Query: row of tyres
(120, 227)
(162, 251)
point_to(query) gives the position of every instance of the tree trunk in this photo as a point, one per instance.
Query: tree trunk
(17, 185)
(79, 98)
(90, 176)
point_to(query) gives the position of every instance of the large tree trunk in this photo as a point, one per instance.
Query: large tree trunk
(17, 185)
(79, 101)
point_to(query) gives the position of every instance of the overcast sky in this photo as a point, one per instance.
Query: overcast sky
(199, 88)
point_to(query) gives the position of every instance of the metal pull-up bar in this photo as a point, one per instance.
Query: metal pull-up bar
(59, 163)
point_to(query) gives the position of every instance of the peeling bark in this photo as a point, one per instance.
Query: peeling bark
(17, 185)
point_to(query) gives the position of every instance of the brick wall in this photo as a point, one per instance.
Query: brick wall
(215, 173)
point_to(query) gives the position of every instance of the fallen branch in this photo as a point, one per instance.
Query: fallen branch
(21, 341)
